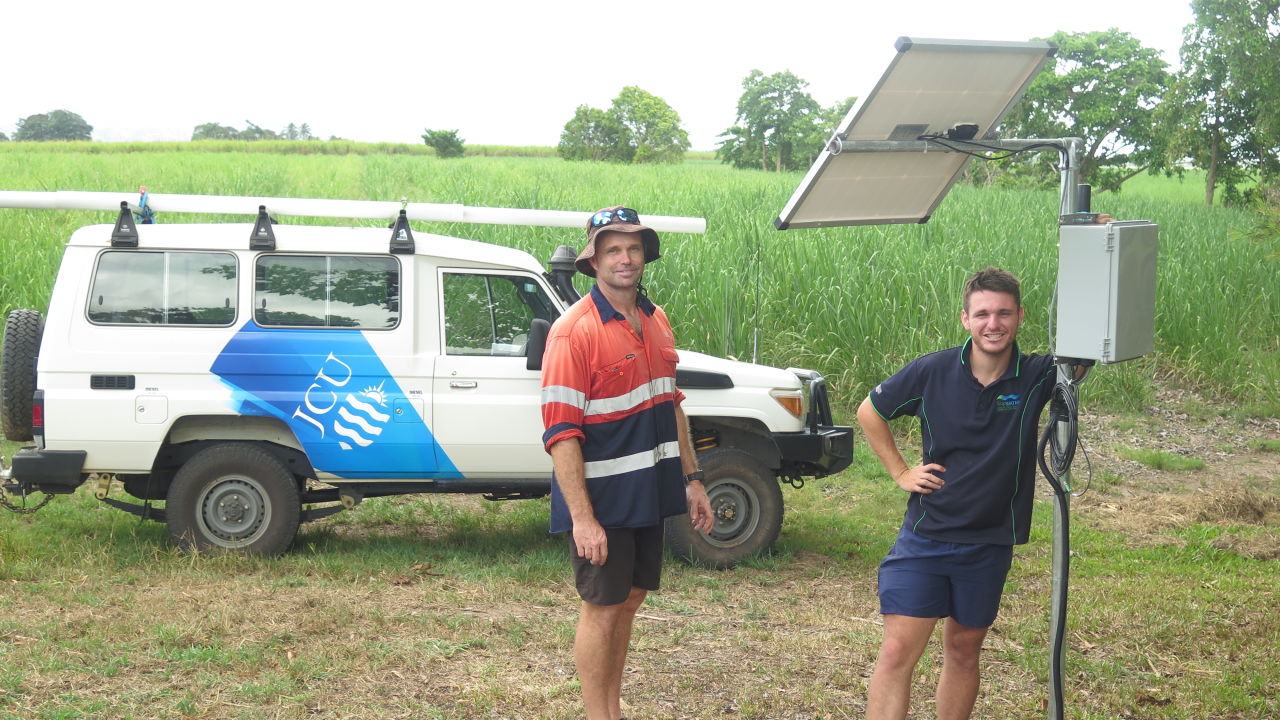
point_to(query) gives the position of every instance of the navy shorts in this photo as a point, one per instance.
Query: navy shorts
(931, 579)
(634, 560)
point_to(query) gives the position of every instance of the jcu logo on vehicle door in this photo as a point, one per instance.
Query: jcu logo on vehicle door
(337, 396)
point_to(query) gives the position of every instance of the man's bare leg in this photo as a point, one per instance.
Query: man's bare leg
(600, 652)
(958, 686)
(905, 639)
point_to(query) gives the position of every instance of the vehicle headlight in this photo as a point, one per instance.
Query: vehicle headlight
(791, 400)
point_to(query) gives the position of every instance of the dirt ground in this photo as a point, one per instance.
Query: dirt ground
(1238, 485)
(796, 641)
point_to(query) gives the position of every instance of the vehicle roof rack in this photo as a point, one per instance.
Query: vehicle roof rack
(402, 235)
(262, 237)
(125, 233)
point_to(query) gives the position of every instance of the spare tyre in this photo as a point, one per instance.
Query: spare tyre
(22, 331)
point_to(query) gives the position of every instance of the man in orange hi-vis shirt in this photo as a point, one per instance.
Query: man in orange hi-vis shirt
(620, 447)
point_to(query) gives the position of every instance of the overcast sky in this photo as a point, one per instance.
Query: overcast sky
(501, 73)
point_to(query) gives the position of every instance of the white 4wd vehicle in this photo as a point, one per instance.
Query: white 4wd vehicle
(256, 376)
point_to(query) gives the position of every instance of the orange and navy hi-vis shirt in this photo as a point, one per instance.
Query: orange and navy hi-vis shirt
(615, 391)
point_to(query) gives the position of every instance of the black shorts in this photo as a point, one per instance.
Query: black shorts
(634, 560)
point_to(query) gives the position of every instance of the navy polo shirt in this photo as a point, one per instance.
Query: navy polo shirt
(984, 436)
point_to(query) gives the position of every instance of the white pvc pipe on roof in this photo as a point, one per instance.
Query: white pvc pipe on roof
(319, 207)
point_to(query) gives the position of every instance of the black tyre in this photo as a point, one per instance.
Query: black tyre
(18, 374)
(746, 501)
(234, 496)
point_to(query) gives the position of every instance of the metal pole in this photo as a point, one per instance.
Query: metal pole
(837, 146)
(1070, 376)
(1061, 565)
(1058, 606)
(1069, 155)
(1068, 151)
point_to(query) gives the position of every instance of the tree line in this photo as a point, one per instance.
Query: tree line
(1220, 112)
(214, 131)
(68, 126)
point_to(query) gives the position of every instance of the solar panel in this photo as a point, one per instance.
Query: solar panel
(886, 174)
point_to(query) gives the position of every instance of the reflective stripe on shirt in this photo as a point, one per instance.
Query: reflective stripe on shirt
(566, 395)
(638, 396)
(628, 463)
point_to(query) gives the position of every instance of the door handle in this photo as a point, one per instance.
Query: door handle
(463, 384)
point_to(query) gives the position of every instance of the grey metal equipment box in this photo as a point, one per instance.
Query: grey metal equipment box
(1107, 290)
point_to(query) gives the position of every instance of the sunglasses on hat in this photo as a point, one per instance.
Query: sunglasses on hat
(616, 215)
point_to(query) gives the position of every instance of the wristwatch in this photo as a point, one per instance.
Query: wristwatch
(695, 475)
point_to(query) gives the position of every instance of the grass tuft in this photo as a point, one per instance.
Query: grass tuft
(1160, 459)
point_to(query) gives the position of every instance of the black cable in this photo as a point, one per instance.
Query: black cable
(1062, 409)
(952, 145)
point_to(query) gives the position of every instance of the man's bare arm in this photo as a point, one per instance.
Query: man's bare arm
(694, 492)
(920, 478)
(588, 535)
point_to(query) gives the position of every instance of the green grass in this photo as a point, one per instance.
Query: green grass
(1264, 445)
(460, 608)
(853, 303)
(1159, 459)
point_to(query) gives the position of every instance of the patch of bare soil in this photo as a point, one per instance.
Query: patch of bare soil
(1238, 487)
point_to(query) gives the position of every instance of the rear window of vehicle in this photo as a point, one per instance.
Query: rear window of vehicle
(347, 291)
(133, 287)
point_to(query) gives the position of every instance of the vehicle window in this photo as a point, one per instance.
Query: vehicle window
(163, 288)
(491, 314)
(327, 291)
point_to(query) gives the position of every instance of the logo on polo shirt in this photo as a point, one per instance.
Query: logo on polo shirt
(1008, 402)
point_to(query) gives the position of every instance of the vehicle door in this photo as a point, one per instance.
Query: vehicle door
(486, 404)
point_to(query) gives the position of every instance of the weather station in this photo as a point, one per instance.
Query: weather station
(894, 158)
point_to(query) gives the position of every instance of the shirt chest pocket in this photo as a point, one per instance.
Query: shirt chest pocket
(617, 377)
(669, 357)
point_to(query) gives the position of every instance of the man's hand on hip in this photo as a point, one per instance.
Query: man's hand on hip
(921, 478)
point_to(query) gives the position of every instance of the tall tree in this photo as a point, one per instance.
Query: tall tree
(594, 134)
(637, 127)
(654, 126)
(776, 126)
(447, 144)
(253, 132)
(780, 127)
(57, 125)
(1225, 103)
(1102, 87)
(214, 131)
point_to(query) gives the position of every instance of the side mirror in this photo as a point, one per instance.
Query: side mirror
(537, 345)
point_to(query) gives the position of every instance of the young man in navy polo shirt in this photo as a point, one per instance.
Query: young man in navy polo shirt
(970, 495)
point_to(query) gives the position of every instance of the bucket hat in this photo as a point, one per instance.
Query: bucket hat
(615, 219)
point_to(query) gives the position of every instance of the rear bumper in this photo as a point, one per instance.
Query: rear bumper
(50, 471)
